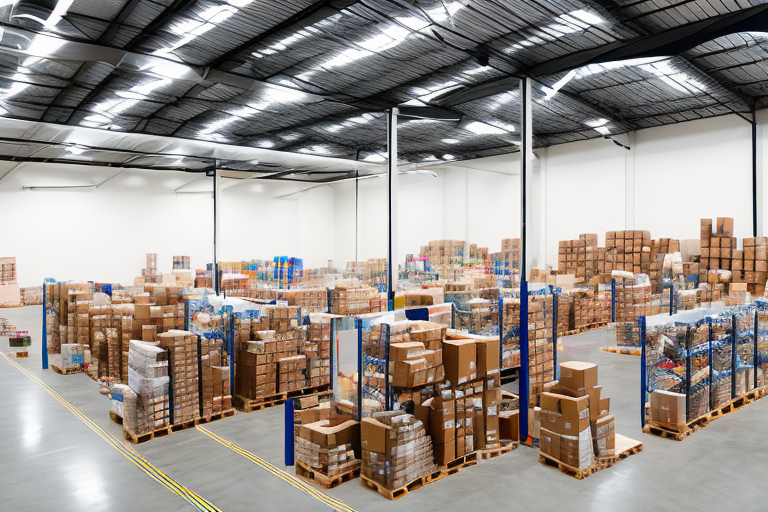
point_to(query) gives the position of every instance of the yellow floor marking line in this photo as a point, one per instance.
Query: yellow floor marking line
(287, 477)
(126, 451)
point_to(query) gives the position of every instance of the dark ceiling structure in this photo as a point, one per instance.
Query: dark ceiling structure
(316, 76)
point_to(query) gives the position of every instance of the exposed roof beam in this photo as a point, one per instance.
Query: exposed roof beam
(673, 41)
(316, 12)
(669, 42)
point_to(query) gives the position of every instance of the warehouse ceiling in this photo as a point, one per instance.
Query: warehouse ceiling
(314, 78)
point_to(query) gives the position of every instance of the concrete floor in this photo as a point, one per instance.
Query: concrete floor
(42, 444)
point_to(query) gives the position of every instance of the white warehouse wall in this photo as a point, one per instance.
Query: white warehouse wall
(693, 170)
(682, 173)
(103, 234)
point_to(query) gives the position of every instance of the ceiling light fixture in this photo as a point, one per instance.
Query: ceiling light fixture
(450, 141)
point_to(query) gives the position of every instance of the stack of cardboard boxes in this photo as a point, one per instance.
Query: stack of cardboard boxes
(215, 378)
(276, 353)
(578, 257)
(575, 422)
(329, 446)
(350, 298)
(181, 263)
(590, 308)
(147, 407)
(309, 300)
(183, 358)
(628, 251)
(396, 449)
(509, 257)
(632, 298)
(541, 369)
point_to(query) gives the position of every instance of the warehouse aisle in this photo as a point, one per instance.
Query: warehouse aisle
(702, 472)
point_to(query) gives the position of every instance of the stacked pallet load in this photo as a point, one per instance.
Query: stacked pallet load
(577, 432)
(591, 309)
(578, 257)
(628, 251)
(509, 256)
(183, 358)
(309, 300)
(350, 298)
(215, 379)
(9, 287)
(278, 356)
(396, 451)
(146, 408)
(327, 450)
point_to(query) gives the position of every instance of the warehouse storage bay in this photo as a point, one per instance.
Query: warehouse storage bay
(337, 254)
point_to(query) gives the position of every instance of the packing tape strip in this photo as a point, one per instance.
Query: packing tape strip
(287, 477)
(129, 453)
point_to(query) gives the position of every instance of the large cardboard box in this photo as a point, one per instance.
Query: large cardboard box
(549, 443)
(668, 407)
(406, 351)
(488, 357)
(325, 435)
(578, 376)
(460, 361)
(374, 435)
(444, 452)
(605, 437)
(574, 411)
(509, 425)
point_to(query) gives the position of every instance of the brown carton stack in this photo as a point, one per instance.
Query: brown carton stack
(277, 335)
(147, 408)
(350, 298)
(632, 298)
(292, 373)
(318, 350)
(329, 448)
(396, 449)
(719, 248)
(216, 397)
(183, 357)
(753, 264)
(575, 420)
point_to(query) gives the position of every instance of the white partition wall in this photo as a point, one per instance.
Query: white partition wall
(584, 191)
(100, 234)
(693, 170)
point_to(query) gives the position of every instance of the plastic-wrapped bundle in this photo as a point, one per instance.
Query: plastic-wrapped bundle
(113, 352)
(148, 379)
(745, 349)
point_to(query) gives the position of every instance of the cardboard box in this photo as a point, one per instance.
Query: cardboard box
(574, 411)
(668, 407)
(326, 436)
(444, 452)
(488, 357)
(549, 443)
(605, 437)
(460, 361)
(509, 425)
(374, 435)
(406, 351)
(577, 376)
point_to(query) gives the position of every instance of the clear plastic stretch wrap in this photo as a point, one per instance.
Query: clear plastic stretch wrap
(762, 343)
(745, 349)
(699, 361)
(375, 335)
(148, 379)
(722, 360)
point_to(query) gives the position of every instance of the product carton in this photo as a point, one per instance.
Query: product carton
(668, 407)
(460, 361)
(605, 437)
(406, 351)
(509, 425)
(574, 411)
(326, 436)
(488, 357)
(375, 436)
(578, 376)
(549, 443)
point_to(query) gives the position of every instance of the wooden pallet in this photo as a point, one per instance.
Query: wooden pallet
(325, 481)
(680, 432)
(492, 453)
(462, 462)
(626, 351)
(67, 371)
(584, 328)
(114, 417)
(399, 492)
(244, 404)
(176, 427)
(624, 448)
